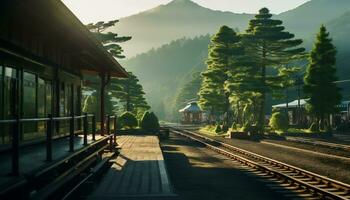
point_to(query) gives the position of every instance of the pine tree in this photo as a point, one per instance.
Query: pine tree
(92, 104)
(243, 84)
(131, 94)
(188, 92)
(109, 40)
(320, 77)
(213, 96)
(270, 48)
(111, 43)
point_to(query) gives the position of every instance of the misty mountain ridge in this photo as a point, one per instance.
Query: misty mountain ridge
(185, 18)
(174, 62)
(177, 19)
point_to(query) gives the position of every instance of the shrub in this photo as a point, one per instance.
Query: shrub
(245, 127)
(233, 126)
(149, 122)
(218, 129)
(144, 122)
(279, 121)
(225, 128)
(314, 127)
(128, 120)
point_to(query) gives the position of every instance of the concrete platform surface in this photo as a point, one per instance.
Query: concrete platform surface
(138, 172)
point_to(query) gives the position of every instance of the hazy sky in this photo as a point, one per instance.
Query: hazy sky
(97, 10)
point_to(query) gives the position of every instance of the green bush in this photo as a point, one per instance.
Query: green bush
(225, 128)
(128, 120)
(233, 126)
(218, 129)
(314, 127)
(279, 122)
(245, 127)
(149, 122)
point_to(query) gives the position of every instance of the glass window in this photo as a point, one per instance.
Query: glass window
(48, 97)
(62, 101)
(1, 93)
(41, 98)
(3, 134)
(29, 95)
(77, 107)
(9, 92)
(30, 129)
(41, 106)
(64, 125)
(9, 78)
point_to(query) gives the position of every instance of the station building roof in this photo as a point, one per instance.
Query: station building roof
(303, 102)
(191, 107)
(53, 22)
(292, 104)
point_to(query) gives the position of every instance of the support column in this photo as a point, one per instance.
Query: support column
(102, 102)
(56, 89)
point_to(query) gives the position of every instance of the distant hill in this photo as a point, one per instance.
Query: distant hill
(164, 70)
(339, 30)
(178, 19)
(305, 20)
(184, 18)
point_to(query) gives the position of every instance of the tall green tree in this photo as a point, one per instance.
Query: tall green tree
(243, 84)
(272, 49)
(213, 95)
(125, 91)
(92, 104)
(108, 39)
(320, 79)
(188, 92)
(130, 94)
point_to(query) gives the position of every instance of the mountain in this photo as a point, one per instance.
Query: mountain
(184, 18)
(177, 19)
(306, 19)
(164, 70)
(339, 29)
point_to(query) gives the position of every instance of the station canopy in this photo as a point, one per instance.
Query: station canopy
(294, 104)
(52, 22)
(191, 107)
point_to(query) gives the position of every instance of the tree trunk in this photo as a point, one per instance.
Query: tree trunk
(228, 112)
(128, 103)
(261, 119)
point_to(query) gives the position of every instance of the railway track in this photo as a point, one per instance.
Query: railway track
(316, 186)
(319, 143)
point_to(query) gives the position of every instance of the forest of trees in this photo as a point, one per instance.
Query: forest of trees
(242, 69)
(184, 57)
(163, 73)
(123, 94)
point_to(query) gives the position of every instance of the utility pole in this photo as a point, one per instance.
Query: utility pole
(299, 110)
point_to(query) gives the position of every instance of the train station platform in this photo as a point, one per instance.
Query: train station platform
(34, 166)
(138, 172)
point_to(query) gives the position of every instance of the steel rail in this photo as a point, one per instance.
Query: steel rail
(315, 184)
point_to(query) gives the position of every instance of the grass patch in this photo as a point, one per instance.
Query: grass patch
(302, 133)
(210, 130)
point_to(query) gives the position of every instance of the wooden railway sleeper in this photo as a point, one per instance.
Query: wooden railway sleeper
(306, 186)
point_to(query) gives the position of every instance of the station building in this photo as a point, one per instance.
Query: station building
(191, 114)
(44, 53)
(297, 112)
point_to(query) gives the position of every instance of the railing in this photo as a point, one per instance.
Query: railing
(50, 127)
(112, 118)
